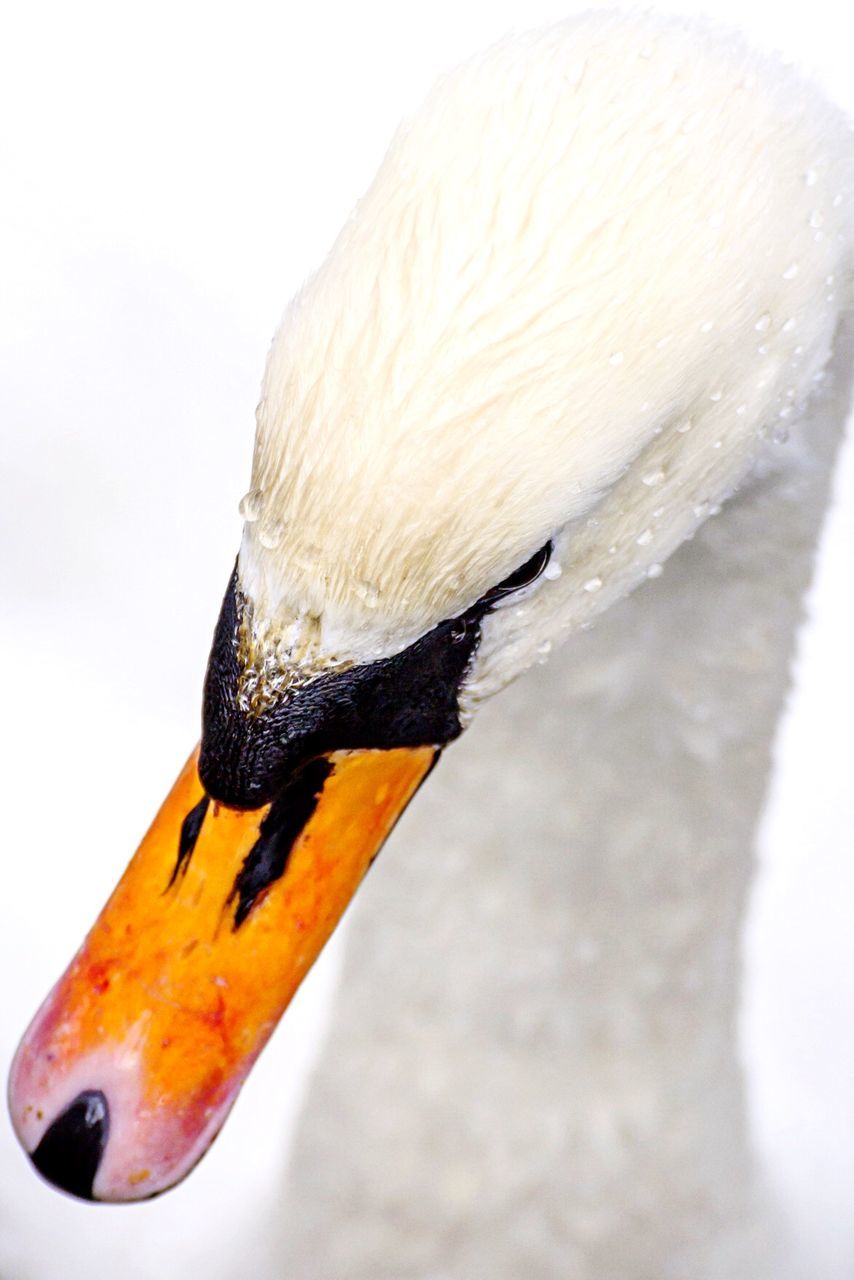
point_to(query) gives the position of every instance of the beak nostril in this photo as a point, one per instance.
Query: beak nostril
(71, 1148)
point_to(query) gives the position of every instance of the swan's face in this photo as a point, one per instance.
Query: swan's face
(592, 276)
(576, 297)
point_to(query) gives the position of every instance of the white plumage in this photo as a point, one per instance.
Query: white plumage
(598, 267)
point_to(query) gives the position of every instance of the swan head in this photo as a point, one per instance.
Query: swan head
(595, 274)
(556, 332)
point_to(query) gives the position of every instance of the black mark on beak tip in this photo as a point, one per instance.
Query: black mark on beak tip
(190, 830)
(267, 859)
(71, 1148)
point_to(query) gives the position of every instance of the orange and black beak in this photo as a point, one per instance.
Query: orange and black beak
(130, 1067)
(135, 1059)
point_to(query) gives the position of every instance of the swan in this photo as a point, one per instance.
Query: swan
(598, 272)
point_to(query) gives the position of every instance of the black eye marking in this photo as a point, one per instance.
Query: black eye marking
(521, 577)
(266, 861)
(462, 626)
(190, 829)
(410, 699)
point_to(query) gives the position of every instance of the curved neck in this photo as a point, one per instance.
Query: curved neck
(543, 977)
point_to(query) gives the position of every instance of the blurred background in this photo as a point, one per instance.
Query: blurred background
(659, 1084)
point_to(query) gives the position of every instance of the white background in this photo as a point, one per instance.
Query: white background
(170, 172)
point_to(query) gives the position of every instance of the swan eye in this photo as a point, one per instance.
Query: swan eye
(521, 577)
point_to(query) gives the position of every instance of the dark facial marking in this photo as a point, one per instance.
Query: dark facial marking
(407, 700)
(71, 1148)
(190, 829)
(521, 577)
(266, 861)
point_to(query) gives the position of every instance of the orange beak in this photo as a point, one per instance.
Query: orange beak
(130, 1067)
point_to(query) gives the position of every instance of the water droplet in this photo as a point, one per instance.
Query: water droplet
(789, 325)
(763, 323)
(763, 349)
(270, 534)
(715, 220)
(593, 584)
(645, 538)
(653, 477)
(716, 395)
(717, 444)
(612, 550)
(837, 201)
(655, 571)
(662, 342)
(616, 358)
(367, 593)
(791, 271)
(545, 648)
(780, 435)
(742, 408)
(785, 412)
(816, 218)
(810, 177)
(251, 504)
(707, 326)
(685, 426)
(552, 571)
(701, 509)
(829, 279)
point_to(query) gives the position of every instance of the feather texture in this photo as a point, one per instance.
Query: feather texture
(593, 272)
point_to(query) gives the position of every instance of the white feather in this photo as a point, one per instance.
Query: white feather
(593, 272)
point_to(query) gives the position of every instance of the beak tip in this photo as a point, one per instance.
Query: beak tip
(71, 1148)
